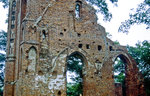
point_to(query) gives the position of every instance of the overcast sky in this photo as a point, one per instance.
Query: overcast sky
(3, 17)
(120, 13)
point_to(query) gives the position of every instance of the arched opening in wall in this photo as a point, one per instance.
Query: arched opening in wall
(43, 35)
(78, 9)
(75, 63)
(32, 59)
(120, 75)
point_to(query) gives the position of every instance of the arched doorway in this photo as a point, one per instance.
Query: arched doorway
(120, 72)
(75, 63)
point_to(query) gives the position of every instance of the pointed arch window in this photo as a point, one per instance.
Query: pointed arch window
(32, 59)
(74, 74)
(78, 9)
(120, 72)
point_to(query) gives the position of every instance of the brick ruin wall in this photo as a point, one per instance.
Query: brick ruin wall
(42, 36)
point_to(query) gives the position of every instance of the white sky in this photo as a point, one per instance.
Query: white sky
(3, 17)
(120, 13)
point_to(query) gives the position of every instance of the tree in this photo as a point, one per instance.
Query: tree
(5, 2)
(141, 16)
(102, 7)
(3, 40)
(74, 67)
(74, 89)
(141, 53)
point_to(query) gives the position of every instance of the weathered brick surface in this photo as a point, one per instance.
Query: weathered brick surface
(118, 89)
(46, 33)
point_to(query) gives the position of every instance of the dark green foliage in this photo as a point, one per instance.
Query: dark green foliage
(74, 89)
(102, 8)
(119, 71)
(147, 85)
(141, 16)
(141, 53)
(74, 67)
(3, 40)
(116, 43)
(2, 57)
(75, 64)
(119, 66)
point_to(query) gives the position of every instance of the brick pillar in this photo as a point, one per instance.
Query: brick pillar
(9, 79)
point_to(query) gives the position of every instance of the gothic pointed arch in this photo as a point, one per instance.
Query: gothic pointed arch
(75, 67)
(131, 81)
(78, 9)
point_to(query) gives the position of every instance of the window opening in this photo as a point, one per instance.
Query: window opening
(119, 75)
(80, 45)
(78, 9)
(14, 4)
(110, 48)
(44, 35)
(87, 46)
(13, 18)
(12, 26)
(61, 34)
(65, 29)
(74, 75)
(13, 12)
(59, 93)
(79, 35)
(99, 47)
